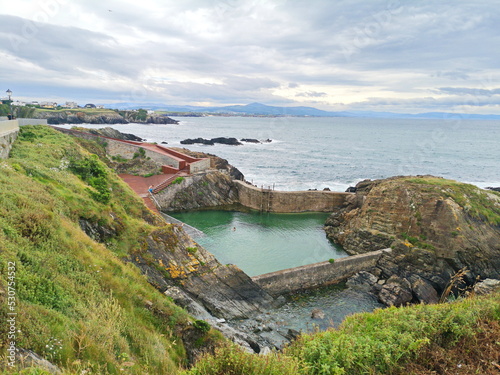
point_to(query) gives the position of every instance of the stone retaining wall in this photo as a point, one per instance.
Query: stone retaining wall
(289, 201)
(8, 134)
(316, 274)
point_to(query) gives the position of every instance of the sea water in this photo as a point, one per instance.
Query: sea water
(263, 242)
(314, 153)
(337, 152)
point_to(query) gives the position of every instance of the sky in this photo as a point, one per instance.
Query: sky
(378, 55)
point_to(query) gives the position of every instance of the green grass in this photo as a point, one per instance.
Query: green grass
(382, 342)
(476, 202)
(71, 289)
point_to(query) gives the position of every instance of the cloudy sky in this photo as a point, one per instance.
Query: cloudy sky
(383, 55)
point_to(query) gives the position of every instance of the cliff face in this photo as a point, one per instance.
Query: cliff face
(199, 191)
(170, 258)
(434, 226)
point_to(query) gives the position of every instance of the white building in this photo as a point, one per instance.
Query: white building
(70, 105)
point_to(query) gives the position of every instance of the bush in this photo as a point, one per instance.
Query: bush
(201, 326)
(178, 180)
(91, 170)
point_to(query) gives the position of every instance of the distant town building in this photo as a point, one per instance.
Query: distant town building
(48, 105)
(151, 112)
(89, 105)
(18, 103)
(70, 105)
(100, 106)
(35, 103)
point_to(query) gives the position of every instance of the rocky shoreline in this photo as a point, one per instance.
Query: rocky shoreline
(109, 117)
(436, 229)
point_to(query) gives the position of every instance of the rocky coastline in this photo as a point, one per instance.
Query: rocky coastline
(107, 117)
(436, 229)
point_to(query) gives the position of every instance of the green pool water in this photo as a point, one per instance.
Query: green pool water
(263, 242)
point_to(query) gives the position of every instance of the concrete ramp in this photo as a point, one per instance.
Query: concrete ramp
(191, 231)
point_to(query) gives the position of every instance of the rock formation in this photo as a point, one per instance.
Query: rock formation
(107, 117)
(434, 226)
(205, 190)
(211, 142)
(170, 258)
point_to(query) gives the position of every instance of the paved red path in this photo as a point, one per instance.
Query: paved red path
(141, 185)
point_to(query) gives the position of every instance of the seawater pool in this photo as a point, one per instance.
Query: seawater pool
(263, 242)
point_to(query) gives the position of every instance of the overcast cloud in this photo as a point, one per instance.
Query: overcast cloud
(401, 56)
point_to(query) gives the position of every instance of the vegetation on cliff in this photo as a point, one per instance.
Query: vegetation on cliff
(79, 305)
(461, 337)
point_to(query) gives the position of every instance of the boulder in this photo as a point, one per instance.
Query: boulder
(423, 290)
(362, 279)
(395, 292)
(317, 314)
(487, 286)
(250, 140)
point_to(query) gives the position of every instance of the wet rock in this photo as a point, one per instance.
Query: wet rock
(362, 279)
(211, 142)
(192, 141)
(317, 314)
(292, 334)
(226, 141)
(487, 286)
(164, 143)
(395, 292)
(326, 189)
(494, 188)
(351, 189)
(250, 140)
(423, 290)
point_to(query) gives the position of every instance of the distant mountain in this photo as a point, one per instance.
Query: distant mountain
(266, 110)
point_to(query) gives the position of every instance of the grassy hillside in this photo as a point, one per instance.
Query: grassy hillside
(78, 304)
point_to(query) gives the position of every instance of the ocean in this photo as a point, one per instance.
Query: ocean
(315, 153)
(337, 152)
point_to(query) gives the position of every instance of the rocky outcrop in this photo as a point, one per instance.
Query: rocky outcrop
(434, 226)
(107, 117)
(204, 190)
(211, 142)
(112, 133)
(216, 162)
(170, 258)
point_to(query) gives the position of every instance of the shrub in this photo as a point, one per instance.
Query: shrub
(201, 326)
(178, 180)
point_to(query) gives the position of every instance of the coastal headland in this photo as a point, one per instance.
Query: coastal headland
(80, 245)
